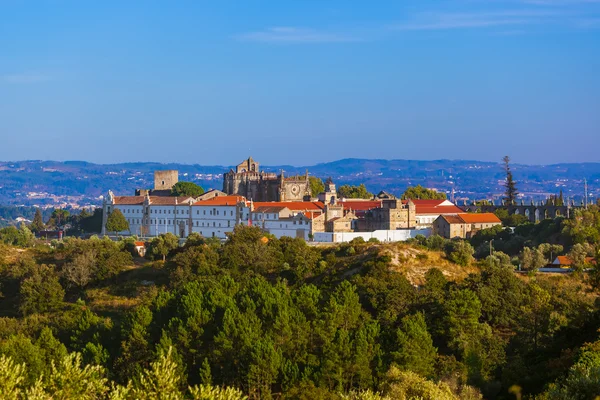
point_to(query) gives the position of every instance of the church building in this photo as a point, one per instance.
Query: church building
(249, 181)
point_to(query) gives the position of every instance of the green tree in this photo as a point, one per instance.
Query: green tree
(316, 186)
(116, 222)
(583, 379)
(459, 251)
(187, 189)
(578, 255)
(162, 245)
(354, 192)
(415, 351)
(37, 225)
(59, 218)
(510, 195)
(41, 291)
(532, 259)
(422, 193)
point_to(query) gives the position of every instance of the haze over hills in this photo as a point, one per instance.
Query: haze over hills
(81, 183)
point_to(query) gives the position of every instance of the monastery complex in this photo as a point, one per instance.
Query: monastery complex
(283, 206)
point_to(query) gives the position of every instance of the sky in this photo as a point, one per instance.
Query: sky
(300, 82)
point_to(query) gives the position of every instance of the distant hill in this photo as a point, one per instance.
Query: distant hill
(82, 183)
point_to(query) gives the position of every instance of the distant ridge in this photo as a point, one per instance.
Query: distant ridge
(43, 182)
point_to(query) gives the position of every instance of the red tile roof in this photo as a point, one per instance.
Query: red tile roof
(565, 260)
(479, 218)
(453, 219)
(169, 201)
(312, 215)
(436, 207)
(220, 201)
(139, 244)
(129, 200)
(292, 205)
(360, 205)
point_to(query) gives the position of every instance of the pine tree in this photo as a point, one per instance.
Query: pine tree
(38, 222)
(510, 185)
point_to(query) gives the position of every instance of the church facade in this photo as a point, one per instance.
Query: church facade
(249, 181)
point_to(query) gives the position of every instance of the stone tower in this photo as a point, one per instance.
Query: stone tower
(165, 180)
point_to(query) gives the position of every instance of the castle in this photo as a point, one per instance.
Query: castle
(247, 180)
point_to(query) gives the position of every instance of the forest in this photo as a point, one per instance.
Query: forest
(257, 317)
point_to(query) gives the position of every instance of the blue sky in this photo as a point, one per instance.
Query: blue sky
(299, 82)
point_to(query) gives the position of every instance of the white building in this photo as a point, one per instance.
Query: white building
(281, 221)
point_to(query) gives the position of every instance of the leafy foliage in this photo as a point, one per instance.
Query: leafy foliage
(354, 192)
(422, 193)
(187, 189)
(116, 222)
(316, 186)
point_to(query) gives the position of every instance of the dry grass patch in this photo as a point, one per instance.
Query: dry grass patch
(415, 262)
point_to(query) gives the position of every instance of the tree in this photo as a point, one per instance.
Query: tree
(354, 192)
(41, 291)
(59, 218)
(532, 259)
(316, 186)
(422, 193)
(578, 255)
(510, 196)
(459, 251)
(37, 225)
(415, 351)
(162, 245)
(80, 271)
(116, 222)
(187, 189)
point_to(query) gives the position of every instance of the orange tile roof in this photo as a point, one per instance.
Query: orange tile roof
(453, 219)
(311, 215)
(221, 201)
(361, 205)
(129, 200)
(292, 205)
(479, 218)
(139, 244)
(565, 260)
(169, 201)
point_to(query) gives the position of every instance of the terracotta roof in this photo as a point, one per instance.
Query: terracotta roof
(437, 207)
(139, 244)
(360, 205)
(565, 260)
(453, 219)
(129, 200)
(292, 205)
(168, 200)
(479, 218)
(311, 215)
(221, 201)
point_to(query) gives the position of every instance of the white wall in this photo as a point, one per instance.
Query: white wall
(398, 235)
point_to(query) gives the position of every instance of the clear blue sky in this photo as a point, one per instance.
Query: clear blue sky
(299, 82)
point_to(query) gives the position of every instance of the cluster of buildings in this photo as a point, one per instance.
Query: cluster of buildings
(284, 206)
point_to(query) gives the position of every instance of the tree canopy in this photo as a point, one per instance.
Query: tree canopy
(316, 186)
(354, 192)
(422, 193)
(116, 222)
(187, 189)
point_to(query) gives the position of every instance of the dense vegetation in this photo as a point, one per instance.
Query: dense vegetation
(268, 318)
(422, 193)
